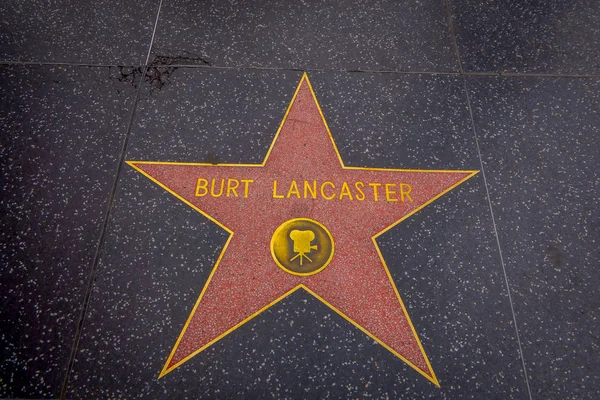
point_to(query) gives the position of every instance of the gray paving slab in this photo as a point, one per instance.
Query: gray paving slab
(62, 130)
(381, 35)
(539, 141)
(159, 252)
(79, 31)
(550, 37)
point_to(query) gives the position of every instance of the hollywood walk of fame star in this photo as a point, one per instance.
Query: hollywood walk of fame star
(302, 178)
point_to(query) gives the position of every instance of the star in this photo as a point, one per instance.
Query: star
(301, 177)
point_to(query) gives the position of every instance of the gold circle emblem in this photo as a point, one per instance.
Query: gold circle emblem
(302, 246)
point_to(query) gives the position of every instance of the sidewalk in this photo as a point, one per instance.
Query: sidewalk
(102, 268)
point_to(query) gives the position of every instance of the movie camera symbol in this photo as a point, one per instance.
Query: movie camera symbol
(302, 244)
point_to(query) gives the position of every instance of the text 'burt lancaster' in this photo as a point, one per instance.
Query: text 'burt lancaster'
(327, 190)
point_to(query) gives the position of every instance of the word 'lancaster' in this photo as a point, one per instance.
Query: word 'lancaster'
(309, 189)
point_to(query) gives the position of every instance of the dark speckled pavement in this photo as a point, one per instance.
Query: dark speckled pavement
(100, 268)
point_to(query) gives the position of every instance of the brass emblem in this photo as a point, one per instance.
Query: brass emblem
(302, 246)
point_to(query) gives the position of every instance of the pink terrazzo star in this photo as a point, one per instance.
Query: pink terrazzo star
(246, 280)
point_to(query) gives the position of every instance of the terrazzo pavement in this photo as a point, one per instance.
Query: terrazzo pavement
(101, 267)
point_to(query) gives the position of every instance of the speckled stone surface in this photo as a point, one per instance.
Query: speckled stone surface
(80, 31)
(380, 35)
(391, 121)
(387, 77)
(61, 133)
(216, 116)
(159, 253)
(540, 141)
(553, 37)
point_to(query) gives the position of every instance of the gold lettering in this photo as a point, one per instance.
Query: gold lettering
(231, 188)
(312, 190)
(375, 187)
(246, 183)
(293, 190)
(405, 192)
(275, 195)
(389, 192)
(203, 186)
(345, 191)
(323, 191)
(361, 195)
(212, 188)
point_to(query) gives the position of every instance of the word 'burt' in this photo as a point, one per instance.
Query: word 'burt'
(327, 190)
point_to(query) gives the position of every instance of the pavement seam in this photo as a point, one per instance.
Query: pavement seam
(500, 74)
(512, 308)
(453, 34)
(102, 238)
(153, 32)
(487, 192)
(61, 63)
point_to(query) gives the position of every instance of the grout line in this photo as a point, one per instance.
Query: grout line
(512, 308)
(530, 75)
(100, 244)
(349, 70)
(453, 34)
(103, 232)
(154, 32)
(304, 69)
(56, 63)
(376, 71)
(96, 260)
